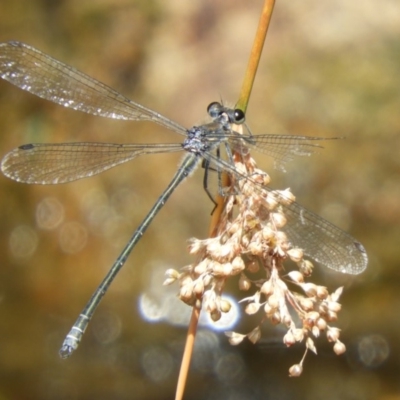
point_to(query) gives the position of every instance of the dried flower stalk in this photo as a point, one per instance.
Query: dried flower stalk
(249, 239)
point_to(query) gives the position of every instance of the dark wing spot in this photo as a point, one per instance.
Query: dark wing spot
(26, 147)
(360, 247)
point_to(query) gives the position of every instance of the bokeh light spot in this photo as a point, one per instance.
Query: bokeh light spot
(157, 363)
(23, 241)
(106, 327)
(73, 237)
(49, 213)
(230, 367)
(373, 350)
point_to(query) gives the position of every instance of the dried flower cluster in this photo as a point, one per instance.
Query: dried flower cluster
(249, 240)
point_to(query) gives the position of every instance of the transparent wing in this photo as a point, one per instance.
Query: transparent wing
(324, 242)
(320, 240)
(282, 148)
(42, 75)
(65, 162)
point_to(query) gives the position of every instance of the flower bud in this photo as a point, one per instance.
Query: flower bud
(201, 267)
(286, 197)
(310, 289)
(186, 292)
(266, 179)
(310, 345)
(273, 301)
(225, 306)
(198, 287)
(322, 292)
(252, 266)
(339, 347)
(289, 339)
(186, 280)
(278, 219)
(336, 294)
(331, 316)
(298, 334)
(268, 310)
(227, 268)
(295, 255)
(219, 269)
(213, 247)
(268, 234)
(252, 308)
(275, 318)
(334, 306)
(333, 334)
(168, 281)
(209, 301)
(296, 276)
(172, 273)
(270, 201)
(215, 315)
(195, 246)
(237, 265)
(311, 318)
(321, 323)
(255, 248)
(315, 331)
(295, 370)
(267, 288)
(306, 304)
(234, 337)
(282, 241)
(254, 335)
(306, 267)
(244, 282)
(245, 240)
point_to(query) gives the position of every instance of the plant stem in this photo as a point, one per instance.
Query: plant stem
(187, 353)
(245, 92)
(255, 55)
(242, 104)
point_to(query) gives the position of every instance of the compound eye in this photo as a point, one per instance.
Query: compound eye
(239, 116)
(214, 109)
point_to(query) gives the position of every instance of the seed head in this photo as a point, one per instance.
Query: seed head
(249, 240)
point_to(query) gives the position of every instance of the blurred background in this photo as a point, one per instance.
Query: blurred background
(329, 68)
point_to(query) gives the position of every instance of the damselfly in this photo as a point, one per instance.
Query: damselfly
(44, 163)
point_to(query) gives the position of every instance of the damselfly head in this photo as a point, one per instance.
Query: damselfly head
(216, 110)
